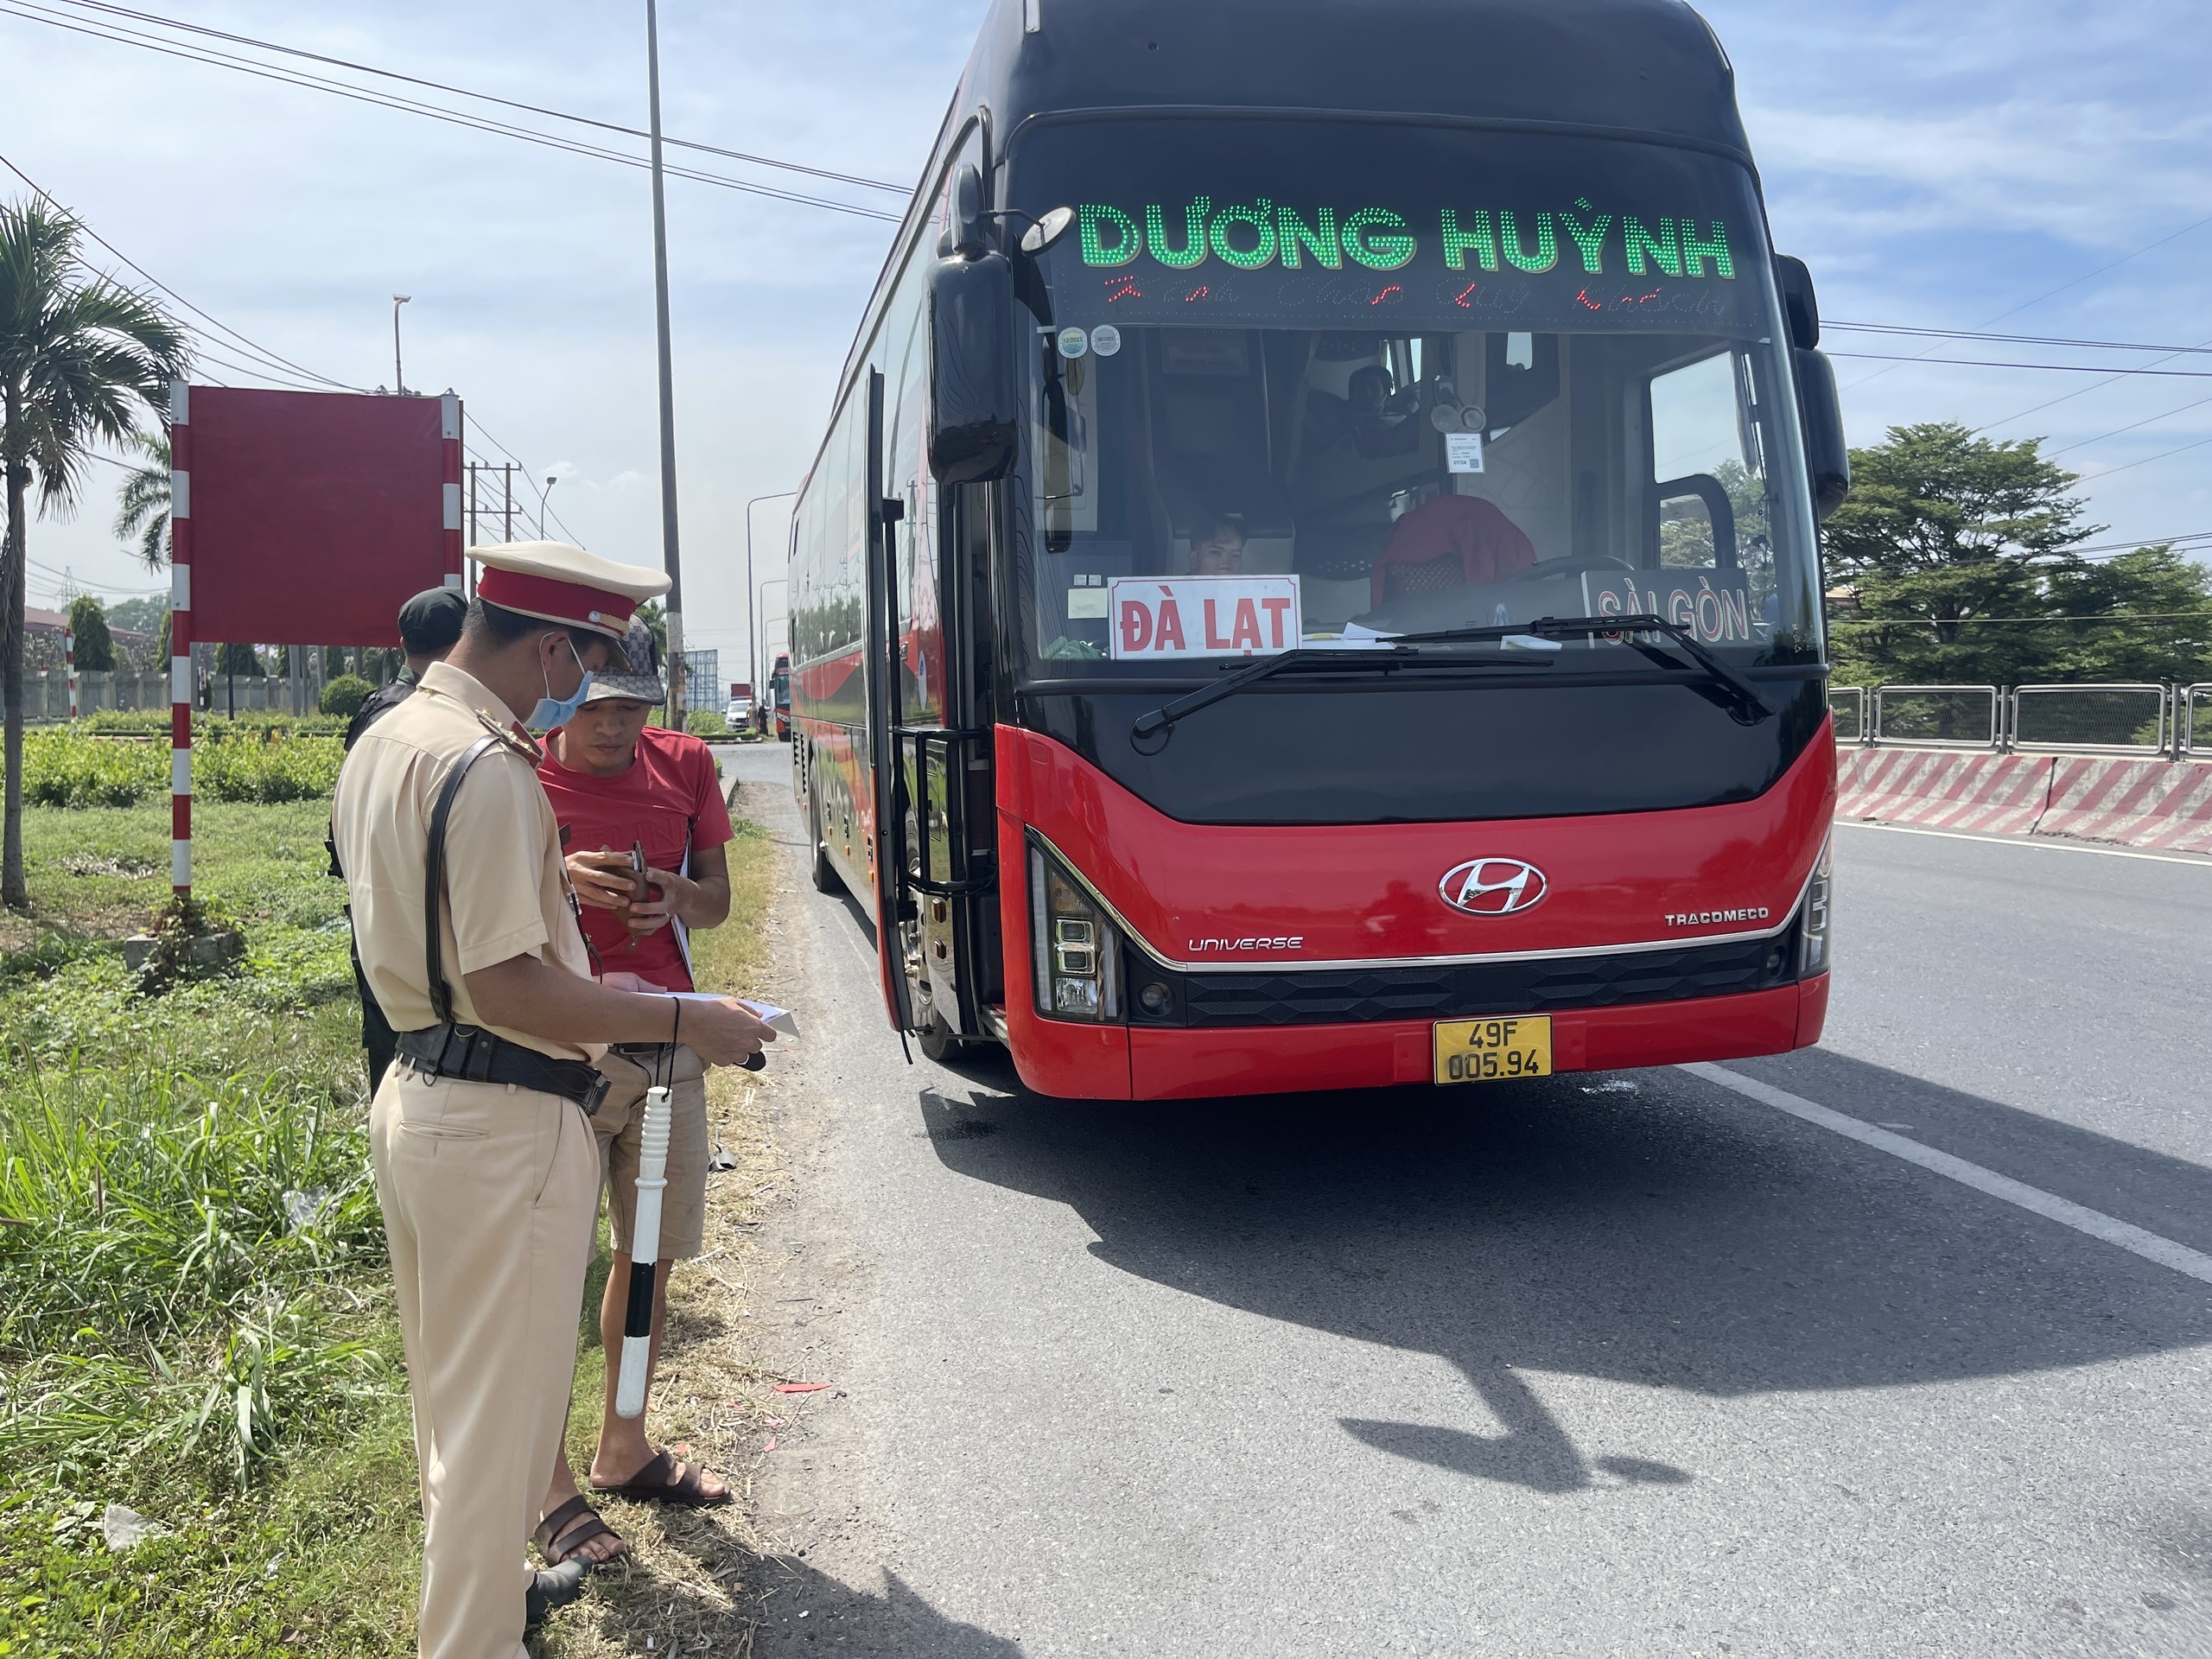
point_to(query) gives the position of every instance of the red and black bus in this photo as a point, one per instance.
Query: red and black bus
(1311, 578)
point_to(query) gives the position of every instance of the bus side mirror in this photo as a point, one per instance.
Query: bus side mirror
(1820, 415)
(1801, 306)
(974, 401)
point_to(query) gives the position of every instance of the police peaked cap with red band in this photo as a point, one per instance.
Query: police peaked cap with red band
(565, 585)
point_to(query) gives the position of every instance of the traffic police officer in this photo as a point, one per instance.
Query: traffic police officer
(485, 1162)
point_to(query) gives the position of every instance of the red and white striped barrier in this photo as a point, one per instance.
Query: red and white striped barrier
(181, 679)
(69, 662)
(1992, 794)
(2154, 804)
(2161, 804)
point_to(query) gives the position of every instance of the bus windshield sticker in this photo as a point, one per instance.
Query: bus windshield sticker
(1714, 604)
(1154, 620)
(1463, 451)
(1105, 339)
(1073, 343)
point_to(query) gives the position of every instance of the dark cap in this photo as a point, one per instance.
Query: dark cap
(429, 623)
(644, 683)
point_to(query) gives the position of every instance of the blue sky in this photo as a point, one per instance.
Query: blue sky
(1940, 166)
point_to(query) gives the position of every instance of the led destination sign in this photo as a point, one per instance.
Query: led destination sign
(1262, 261)
(1251, 236)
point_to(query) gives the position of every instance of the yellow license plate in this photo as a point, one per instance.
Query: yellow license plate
(1492, 1051)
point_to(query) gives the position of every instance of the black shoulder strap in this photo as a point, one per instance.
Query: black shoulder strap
(434, 874)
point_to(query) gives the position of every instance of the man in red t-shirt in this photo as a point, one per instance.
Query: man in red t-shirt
(618, 784)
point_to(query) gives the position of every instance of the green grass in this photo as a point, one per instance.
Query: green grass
(195, 1321)
(67, 767)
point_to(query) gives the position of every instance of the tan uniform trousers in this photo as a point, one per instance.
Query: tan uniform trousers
(490, 1194)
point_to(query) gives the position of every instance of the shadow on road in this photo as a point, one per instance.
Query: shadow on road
(839, 1619)
(1642, 1229)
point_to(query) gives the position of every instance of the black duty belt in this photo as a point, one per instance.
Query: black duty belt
(477, 1056)
(450, 1049)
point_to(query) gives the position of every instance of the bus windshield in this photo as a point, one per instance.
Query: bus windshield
(1313, 382)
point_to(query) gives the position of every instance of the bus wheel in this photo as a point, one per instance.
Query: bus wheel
(937, 1043)
(824, 873)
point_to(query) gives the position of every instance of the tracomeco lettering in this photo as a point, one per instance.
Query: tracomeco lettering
(1706, 917)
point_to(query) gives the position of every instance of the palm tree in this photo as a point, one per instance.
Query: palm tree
(142, 513)
(82, 360)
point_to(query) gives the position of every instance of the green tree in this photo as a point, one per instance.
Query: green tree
(2143, 616)
(83, 360)
(1944, 530)
(88, 621)
(142, 512)
(138, 615)
(239, 659)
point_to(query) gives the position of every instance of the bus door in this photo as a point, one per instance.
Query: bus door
(932, 756)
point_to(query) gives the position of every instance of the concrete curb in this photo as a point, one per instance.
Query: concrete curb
(2164, 805)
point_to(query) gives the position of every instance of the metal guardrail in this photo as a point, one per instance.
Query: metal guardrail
(2170, 723)
(1986, 703)
(2186, 698)
(2077, 706)
(1848, 702)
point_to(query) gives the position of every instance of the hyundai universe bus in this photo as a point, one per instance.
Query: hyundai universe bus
(1311, 580)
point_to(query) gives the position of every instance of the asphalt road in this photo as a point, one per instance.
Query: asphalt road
(1602, 1364)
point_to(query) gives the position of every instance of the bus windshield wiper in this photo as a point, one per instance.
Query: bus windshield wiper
(1736, 694)
(1382, 655)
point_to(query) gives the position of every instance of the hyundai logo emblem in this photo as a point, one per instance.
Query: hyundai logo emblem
(1492, 886)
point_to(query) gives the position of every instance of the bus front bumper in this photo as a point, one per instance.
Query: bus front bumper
(1147, 1063)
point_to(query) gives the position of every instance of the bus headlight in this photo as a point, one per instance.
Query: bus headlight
(1812, 925)
(1076, 951)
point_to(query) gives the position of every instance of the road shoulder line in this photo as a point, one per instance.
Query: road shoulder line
(2047, 843)
(2094, 1223)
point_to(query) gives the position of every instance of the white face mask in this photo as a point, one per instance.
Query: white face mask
(553, 711)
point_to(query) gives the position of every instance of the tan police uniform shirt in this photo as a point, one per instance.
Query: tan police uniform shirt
(506, 888)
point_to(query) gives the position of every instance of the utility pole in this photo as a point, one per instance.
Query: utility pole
(670, 558)
(507, 498)
(474, 468)
(398, 379)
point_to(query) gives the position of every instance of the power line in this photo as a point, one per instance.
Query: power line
(436, 112)
(251, 346)
(2056, 368)
(2012, 339)
(2147, 420)
(1978, 622)
(486, 98)
(2054, 293)
(2129, 466)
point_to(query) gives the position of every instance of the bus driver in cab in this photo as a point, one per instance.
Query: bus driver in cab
(1220, 550)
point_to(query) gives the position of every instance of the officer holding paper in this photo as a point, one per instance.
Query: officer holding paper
(486, 1166)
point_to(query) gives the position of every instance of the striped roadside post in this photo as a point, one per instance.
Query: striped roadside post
(180, 686)
(69, 662)
(449, 430)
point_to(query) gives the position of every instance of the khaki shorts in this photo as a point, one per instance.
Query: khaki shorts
(620, 1122)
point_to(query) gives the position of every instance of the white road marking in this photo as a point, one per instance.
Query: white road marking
(2047, 843)
(2150, 1246)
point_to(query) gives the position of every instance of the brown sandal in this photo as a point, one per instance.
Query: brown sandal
(654, 1485)
(562, 1535)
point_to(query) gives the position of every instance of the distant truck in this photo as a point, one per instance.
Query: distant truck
(779, 696)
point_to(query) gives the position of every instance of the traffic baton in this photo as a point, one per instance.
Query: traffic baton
(644, 1256)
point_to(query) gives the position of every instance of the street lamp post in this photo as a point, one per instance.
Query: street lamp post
(756, 605)
(545, 500)
(753, 613)
(398, 378)
(671, 561)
